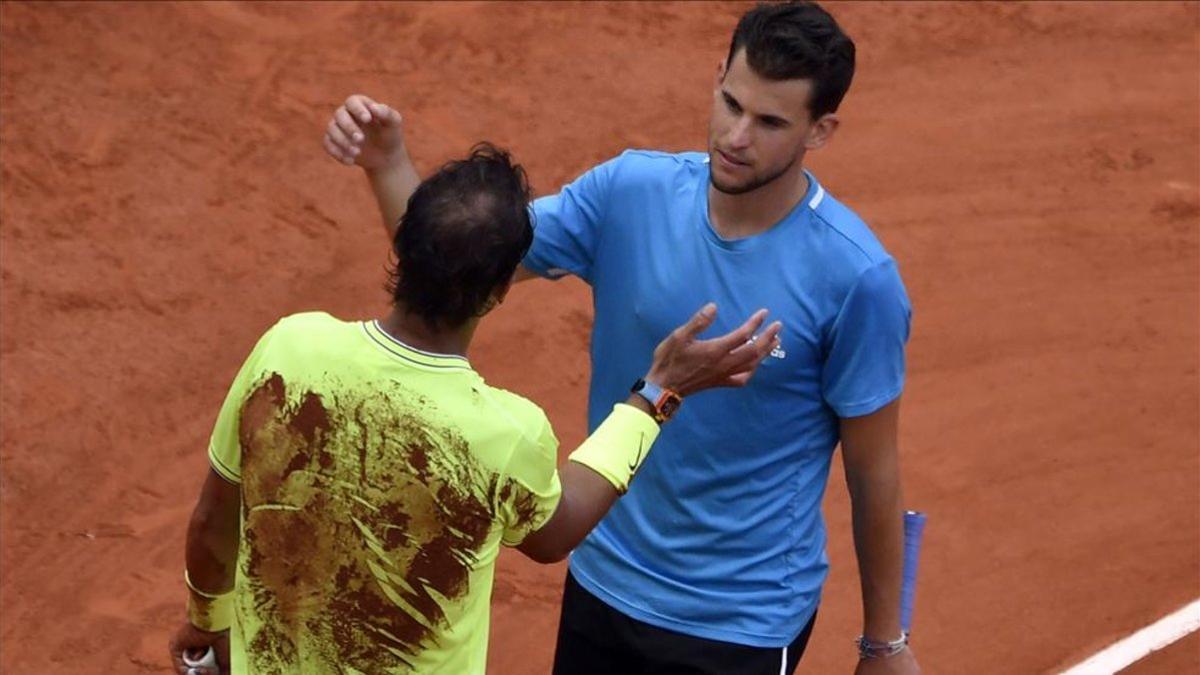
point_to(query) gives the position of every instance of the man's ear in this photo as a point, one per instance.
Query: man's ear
(820, 132)
(720, 77)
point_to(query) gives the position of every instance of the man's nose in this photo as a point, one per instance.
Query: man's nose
(740, 135)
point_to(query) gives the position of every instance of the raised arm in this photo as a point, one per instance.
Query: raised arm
(600, 470)
(369, 134)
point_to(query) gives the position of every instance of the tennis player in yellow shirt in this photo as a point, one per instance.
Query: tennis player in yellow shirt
(364, 476)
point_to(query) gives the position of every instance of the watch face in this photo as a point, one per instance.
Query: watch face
(668, 406)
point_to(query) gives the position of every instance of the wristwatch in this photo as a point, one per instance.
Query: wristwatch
(664, 401)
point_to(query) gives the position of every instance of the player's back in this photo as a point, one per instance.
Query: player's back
(378, 482)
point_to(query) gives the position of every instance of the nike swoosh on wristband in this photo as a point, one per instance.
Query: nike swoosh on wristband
(633, 466)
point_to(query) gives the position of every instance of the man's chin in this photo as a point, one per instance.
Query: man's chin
(731, 188)
(744, 186)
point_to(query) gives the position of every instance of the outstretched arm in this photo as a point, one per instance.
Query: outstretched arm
(599, 471)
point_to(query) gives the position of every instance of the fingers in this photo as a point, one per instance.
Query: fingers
(364, 111)
(343, 135)
(359, 107)
(699, 321)
(758, 346)
(177, 657)
(740, 379)
(335, 151)
(347, 125)
(767, 341)
(738, 336)
(385, 115)
(744, 360)
(346, 147)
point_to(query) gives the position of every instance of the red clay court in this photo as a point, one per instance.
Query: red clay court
(1035, 168)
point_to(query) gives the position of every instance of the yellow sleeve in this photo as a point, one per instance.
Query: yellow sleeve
(530, 489)
(224, 447)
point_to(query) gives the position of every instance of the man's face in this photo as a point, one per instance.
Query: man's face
(758, 128)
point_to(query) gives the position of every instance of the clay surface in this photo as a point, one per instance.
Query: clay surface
(1033, 168)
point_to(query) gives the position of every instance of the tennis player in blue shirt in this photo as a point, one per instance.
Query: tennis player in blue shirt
(715, 559)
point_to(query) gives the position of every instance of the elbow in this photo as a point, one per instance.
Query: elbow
(211, 531)
(549, 546)
(206, 518)
(549, 559)
(201, 520)
(556, 556)
(546, 554)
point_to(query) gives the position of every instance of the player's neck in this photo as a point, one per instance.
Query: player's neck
(735, 216)
(413, 331)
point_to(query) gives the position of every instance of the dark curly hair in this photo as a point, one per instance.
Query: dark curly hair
(797, 41)
(466, 229)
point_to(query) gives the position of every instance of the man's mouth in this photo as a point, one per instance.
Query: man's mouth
(729, 159)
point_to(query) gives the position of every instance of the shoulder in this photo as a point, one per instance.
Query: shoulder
(847, 231)
(306, 330)
(857, 266)
(307, 320)
(635, 168)
(661, 158)
(643, 178)
(523, 415)
(638, 162)
(534, 447)
(849, 247)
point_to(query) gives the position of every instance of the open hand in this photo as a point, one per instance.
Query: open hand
(686, 365)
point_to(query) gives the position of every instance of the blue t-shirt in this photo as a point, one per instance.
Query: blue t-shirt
(721, 534)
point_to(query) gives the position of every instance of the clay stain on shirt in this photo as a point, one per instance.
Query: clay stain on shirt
(361, 519)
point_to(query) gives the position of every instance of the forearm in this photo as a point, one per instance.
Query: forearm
(878, 524)
(211, 558)
(602, 467)
(392, 186)
(213, 537)
(586, 498)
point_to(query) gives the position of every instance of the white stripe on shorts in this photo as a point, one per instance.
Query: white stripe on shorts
(783, 662)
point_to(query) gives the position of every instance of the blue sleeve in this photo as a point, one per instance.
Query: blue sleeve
(864, 366)
(567, 226)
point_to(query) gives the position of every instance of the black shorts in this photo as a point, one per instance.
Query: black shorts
(595, 638)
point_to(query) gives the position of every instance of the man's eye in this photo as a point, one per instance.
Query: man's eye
(732, 105)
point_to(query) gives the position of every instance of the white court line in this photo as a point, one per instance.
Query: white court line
(1135, 647)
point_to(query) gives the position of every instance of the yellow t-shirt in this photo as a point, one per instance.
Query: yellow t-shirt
(378, 482)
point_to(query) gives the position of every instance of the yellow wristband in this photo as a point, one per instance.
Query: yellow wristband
(619, 445)
(207, 611)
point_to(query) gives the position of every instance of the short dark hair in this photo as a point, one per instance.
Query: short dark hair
(466, 229)
(797, 41)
